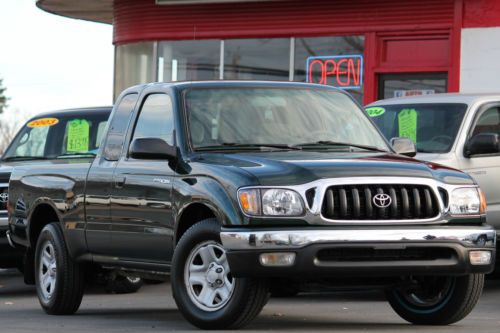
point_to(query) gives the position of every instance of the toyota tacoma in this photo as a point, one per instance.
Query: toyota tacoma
(226, 186)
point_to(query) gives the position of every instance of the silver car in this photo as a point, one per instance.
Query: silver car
(458, 130)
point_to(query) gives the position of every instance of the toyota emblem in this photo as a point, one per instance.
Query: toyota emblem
(382, 200)
(4, 197)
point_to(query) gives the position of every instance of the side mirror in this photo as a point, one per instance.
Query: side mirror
(404, 146)
(152, 149)
(483, 143)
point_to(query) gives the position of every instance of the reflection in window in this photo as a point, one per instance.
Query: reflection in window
(134, 65)
(326, 46)
(276, 116)
(156, 119)
(32, 142)
(192, 60)
(489, 122)
(257, 59)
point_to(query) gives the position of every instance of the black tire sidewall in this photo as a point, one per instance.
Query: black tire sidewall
(206, 230)
(50, 234)
(446, 312)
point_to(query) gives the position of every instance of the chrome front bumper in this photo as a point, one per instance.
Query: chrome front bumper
(360, 252)
(241, 239)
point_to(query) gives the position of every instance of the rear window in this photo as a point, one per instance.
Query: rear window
(60, 136)
(433, 127)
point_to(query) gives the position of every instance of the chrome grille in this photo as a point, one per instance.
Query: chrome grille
(356, 202)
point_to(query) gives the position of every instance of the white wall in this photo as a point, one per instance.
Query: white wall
(480, 60)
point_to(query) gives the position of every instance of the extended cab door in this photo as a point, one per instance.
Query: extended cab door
(100, 179)
(485, 168)
(142, 222)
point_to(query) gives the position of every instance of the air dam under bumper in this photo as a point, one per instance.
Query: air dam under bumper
(442, 250)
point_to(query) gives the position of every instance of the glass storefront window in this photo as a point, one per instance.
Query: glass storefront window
(191, 60)
(326, 47)
(134, 64)
(411, 84)
(257, 59)
(233, 59)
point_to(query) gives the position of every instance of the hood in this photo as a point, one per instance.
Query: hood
(7, 167)
(299, 167)
(448, 159)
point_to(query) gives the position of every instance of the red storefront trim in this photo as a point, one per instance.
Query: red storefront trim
(379, 21)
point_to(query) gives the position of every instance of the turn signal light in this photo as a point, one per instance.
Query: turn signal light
(482, 201)
(281, 259)
(480, 257)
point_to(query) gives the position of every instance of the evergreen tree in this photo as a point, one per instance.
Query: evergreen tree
(3, 98)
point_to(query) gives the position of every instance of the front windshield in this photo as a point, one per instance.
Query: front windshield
(276, 116)
(58, 137)
(433, 127)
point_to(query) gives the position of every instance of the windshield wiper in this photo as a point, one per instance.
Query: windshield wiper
(22, 158)
(89, 154)
(230, 145)
(344, 144)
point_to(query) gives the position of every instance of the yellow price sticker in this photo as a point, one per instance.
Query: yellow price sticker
(43, 122)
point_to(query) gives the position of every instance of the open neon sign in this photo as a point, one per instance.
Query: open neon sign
(344, 71)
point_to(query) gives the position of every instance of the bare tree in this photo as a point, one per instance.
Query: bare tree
(7, 133)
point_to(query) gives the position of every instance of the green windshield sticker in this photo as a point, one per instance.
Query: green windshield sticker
(78, 136)
(375, 111)
(407, 121)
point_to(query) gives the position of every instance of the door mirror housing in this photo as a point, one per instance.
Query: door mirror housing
(404, 146)
(483, 143)
(152, 149)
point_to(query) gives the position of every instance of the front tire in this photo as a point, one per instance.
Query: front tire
(203, 287)
(59, 280)
(439, 300)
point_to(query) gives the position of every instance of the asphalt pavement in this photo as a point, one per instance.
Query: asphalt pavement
(152, 309)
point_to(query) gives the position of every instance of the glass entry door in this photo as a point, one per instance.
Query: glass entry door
(411, 84)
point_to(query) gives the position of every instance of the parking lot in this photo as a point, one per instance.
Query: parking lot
(152, 309)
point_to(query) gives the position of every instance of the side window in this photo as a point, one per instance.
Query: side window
(33, 142)
(118, 127)
(156, 119)
(488, 122)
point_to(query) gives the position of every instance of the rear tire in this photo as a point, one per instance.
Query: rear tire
(436, 300)
(124, 285)
(59, 280)
(203, 288)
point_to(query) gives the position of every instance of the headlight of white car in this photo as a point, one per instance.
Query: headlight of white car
(466, 201)
(271, 202)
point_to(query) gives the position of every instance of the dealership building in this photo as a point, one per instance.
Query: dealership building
(372, 48)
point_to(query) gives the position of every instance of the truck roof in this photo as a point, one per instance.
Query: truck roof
(467, 98)
(74, 112)
(232, 84)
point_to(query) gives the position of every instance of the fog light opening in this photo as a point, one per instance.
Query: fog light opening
(280, 259)
(480, 257)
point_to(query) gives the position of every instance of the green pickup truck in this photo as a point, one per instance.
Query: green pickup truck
(227, 186)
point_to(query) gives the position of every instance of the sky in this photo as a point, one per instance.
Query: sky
(49, 62)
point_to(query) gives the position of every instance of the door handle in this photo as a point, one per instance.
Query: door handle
(120, 181)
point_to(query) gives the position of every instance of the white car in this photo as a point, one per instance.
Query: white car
(457, 130)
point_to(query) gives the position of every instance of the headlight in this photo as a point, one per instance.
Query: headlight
(465, 201)
(270, 202)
